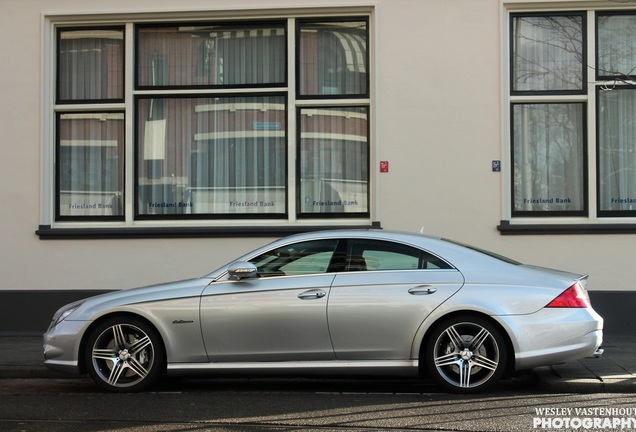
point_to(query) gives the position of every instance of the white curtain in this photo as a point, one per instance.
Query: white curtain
(617, 149)
(548, 155)
(90, 160)
(224, 155)
(334, 160)
(90, 65)
(211, 55)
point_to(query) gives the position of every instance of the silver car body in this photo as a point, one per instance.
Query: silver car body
(364, 320)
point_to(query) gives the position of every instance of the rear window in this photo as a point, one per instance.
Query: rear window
(485, 252)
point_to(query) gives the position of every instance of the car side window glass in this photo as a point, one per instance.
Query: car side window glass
(302, 258)
(368, 255)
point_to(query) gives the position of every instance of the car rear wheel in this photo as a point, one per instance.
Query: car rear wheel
(466, 354)
(124, 354)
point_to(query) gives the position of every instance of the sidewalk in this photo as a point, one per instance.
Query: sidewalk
(614, 372)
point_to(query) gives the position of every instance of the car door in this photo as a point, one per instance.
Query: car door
(280, 315)
(386, 291)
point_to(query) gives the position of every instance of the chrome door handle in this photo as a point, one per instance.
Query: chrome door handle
(309, 295)
(423, 290)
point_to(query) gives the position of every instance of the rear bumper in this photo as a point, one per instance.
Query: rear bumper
(554, 335)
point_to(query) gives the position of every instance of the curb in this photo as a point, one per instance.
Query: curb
(551, 381)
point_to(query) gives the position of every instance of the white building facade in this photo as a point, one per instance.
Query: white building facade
(153, 141)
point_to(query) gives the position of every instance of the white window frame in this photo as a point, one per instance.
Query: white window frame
(591, 223)
(129, 226)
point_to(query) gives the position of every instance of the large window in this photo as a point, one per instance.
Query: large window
(193, 121)
(572, 115)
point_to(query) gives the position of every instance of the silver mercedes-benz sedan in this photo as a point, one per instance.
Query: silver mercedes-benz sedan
(348, 302)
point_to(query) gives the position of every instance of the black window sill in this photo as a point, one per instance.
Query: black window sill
(46, 232)
(506, 228)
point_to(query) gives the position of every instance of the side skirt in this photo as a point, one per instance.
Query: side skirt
(337, 367)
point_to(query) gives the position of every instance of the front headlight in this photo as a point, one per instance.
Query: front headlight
(64, 312)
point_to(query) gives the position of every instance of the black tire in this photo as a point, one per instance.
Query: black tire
(466, 354)
(124, 354)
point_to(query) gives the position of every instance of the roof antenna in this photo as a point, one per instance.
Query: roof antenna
(422, 230)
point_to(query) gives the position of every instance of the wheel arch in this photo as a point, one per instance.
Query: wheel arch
(81, 358)
(510, 360)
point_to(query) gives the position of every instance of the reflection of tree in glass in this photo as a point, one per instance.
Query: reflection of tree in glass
(548, 53)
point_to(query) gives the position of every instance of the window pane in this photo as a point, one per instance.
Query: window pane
(616, 45)
(617, 150)
(547, 53)
(90, 164)
(382, 255)
(212, 156)
(334, 160)
(205, 55)
(549, 158)
(379, 255)
(91, 65)
(309, 257)
(333, 58)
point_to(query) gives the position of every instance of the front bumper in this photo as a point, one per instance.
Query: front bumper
(62, 346)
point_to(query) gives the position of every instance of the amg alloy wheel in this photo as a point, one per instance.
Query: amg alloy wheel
(124, 354)
(466, 354)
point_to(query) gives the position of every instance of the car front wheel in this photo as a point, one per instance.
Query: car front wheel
(124, 354)
(466, 354)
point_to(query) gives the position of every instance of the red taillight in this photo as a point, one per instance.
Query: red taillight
(573, 297)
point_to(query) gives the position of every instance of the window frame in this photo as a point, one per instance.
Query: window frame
(298, 78)
(207, 216)
(57, 85)
(593, 221)
(58, 162)
(562, 92)
(334, 215)
(600, 212)
(357, 247)
(227, 87)
(601, 13)
(130, 226)
(584, 211)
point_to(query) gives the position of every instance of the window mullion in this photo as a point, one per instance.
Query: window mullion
(292, 135)
(591, 118)
(129, 154)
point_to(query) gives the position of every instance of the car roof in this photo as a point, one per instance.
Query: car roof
(449, 251)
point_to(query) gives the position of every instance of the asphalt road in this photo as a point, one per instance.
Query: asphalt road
(276, 404)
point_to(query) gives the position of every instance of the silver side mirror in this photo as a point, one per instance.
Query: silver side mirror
(241, 270)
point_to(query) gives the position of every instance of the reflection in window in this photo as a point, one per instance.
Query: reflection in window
(208, 138)
(212, 156)
(91, 65)
(334, 160)
(617, 151)
(547, 53)
(333, 58)
(616, 45)
(309, 257)
(90, 158)
(211, 55)
(548, 158)
(382, 255)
